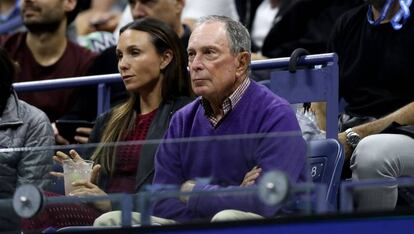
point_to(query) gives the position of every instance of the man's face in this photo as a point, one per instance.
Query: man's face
(168, 11)
(42, 15)
(213, 67)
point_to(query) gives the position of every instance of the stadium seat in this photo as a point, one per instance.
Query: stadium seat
(326, 161)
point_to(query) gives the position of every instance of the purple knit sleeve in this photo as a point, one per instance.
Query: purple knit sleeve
(168, 172)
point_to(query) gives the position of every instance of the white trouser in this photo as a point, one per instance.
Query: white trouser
(113, 218)
(381, 156)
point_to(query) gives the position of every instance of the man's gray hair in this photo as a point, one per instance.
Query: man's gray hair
(239, 37)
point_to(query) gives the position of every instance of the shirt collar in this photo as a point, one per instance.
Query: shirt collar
(228, 104)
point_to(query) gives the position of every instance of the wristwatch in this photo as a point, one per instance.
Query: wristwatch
(352, 137)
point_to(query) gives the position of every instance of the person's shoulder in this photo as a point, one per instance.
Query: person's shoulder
(189, 107)
(266, 96)
(80, 51)
(12, 40)
(104, 117)
(31, 114)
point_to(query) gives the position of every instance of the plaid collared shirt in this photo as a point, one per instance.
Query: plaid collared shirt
(228, 103)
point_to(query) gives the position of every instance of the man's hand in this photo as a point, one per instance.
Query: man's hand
(60, 140)
(251, 176)
(188, 186)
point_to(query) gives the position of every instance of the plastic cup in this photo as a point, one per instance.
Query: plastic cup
(75, 171)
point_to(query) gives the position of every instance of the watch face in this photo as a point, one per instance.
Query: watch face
(353, 139)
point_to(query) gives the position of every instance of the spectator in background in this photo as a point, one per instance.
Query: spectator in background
(229, 104)
(102, 15)
(44, 52)
(168, 11)
(278, 27)
(95, 26)
(10, 20)
(195, 9)
(375, 49)
(21, 125)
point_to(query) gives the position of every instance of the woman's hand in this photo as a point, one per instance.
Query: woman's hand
(86, 188)
(60, 157)
(251, 176)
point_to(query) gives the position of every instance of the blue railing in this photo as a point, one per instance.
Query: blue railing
(101, 81)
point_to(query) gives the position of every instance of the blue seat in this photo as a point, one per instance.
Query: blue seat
(326, 160)
(314, 78)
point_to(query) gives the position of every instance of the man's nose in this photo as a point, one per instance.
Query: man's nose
(195, 63)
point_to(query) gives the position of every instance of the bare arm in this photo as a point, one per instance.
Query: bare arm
(404, 116)
(320, 111)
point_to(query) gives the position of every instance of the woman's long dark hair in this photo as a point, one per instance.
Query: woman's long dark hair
(175, 83)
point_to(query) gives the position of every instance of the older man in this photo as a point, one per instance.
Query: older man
(229, 104)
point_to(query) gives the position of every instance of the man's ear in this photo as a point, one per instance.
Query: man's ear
(166, 59)
(243, 62)
(69, 5)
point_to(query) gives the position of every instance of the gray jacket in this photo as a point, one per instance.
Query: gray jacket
(23, 125)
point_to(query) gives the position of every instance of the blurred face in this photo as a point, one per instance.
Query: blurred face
(213, 68)
(139, 63)
(168, 11)
(45, 15)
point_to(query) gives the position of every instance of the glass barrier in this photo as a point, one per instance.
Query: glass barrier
(196, 180)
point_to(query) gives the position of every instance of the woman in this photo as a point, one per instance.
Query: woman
(153, 66)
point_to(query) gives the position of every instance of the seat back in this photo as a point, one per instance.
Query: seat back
(311, 85)
(315, 79)
(326, 160)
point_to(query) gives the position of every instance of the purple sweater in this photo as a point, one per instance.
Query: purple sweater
(226, 162)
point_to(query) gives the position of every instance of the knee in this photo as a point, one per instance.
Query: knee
(376, 155)
(112, 218)
(233, 215)
(369, 153)
(223, 215)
